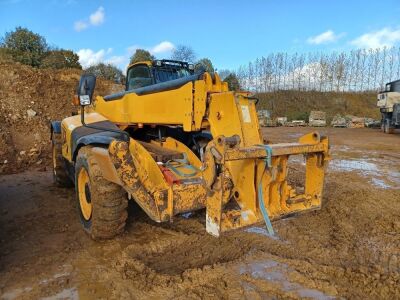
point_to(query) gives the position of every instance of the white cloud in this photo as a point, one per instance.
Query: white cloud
(117, 60)
(324, 38)
(88, 57)
(162, 47)
(378, 39)
(80, 25)
(97, 17)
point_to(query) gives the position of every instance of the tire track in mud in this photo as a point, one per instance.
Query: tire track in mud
(337, 251)
(159, 260)
(196, 265)
(181, 257)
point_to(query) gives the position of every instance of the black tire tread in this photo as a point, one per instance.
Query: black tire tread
(60, 175)
(109, 201)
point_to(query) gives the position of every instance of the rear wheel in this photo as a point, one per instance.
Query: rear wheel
(102, 204)
(60, 175)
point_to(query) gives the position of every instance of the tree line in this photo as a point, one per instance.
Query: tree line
(357, 70)
(29, 48)
(26, 47)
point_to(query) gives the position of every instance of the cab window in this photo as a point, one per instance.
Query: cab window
(138, 76)
(168, 73)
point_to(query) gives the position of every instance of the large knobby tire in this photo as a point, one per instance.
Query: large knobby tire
(60, 175)
(102, 204)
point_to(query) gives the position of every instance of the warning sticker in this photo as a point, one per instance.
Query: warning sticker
(246, 114)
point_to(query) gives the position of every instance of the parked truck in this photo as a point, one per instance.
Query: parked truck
(317, 119)
(263, 117)
(389, 105)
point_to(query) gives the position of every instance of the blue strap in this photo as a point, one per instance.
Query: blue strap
(268, 159)
(264, 211)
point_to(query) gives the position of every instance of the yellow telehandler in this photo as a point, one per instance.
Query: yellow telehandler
(175, 141)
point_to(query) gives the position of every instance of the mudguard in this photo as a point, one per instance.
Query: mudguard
(83, 136)
(55, 127)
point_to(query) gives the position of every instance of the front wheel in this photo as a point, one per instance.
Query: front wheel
(102, 204)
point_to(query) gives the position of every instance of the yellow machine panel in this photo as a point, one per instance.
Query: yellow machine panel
(174, 107)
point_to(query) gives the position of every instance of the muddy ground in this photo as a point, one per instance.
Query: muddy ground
(349, 249)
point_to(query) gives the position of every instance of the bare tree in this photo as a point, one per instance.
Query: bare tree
(184, 53)
(391, 62)
(357, 70)
(383, 67)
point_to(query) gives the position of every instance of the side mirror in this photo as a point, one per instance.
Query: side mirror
(86, 87)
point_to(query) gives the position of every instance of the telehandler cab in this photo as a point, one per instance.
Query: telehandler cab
(177, 140)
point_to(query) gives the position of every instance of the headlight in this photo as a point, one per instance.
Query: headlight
(191, 67)
(158, 63)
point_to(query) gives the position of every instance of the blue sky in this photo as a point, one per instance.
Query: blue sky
(230, 33)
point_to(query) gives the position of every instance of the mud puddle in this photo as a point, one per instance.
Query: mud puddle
(382, 171)
(71, 294)
(379, 173)
(263, 231)
(276, 273)
(14, 294)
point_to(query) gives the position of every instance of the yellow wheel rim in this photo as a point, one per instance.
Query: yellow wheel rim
(84, 194)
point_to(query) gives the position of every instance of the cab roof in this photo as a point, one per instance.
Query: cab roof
(146, 62)
(160, 62)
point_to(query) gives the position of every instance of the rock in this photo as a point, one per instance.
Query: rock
(5, 161)
(22, 153)
(31, 113)
(39, 162)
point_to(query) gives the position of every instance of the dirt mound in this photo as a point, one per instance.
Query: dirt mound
(29, 99)
(297, 105)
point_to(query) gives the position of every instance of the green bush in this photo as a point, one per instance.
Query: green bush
(233, 82)
(29, 48)
(141, 55)
(60, 59)
(106, 71)
(25, 46)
